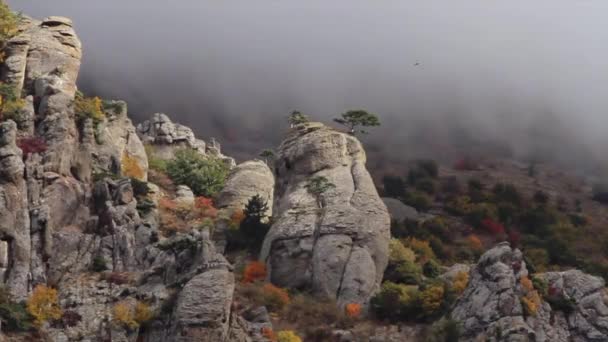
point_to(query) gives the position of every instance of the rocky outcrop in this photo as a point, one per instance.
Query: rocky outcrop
(246, 180)
(494, 308)
(399, 211)
(335, 244)
(14, 214)
(166, 137)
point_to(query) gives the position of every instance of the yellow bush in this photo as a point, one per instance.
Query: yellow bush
(288, 336)
(43, 305)
(143, 313)
(460, 282)
(399, 253)
(88, 108)
(526, 283)
(422, 249)
(131, 168)
(531, 302)
(8, 25)
(131, 316)
(432, 298)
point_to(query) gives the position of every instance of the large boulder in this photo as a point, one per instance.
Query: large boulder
(496, 303)
(335, 244)
(245, 181)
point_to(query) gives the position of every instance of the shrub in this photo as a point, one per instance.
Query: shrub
(399, 253)
(15, 316)
(437, 227)
(393, 186)
(11, 103)
(541, 198)
(404, 228)
(474, 243)
(309, 311)
(254, 271)
(8, 25)
(431, 269)
(130, 167)
(465, 164)
(288, 336)
(88, 108)
(131, 316)
(432, 299)
(422, 249)
(275, 297)
(124, 315)
(459, 206)
(418, 200)
(404, 272)
(451, 186)
(426, 185)
(395, 302)
(204, 208)
(317, 186)
(353, 310)
(439, 248)
(460, 282)
(268, 333)
(252, 228)
(480, 212)
(445, 330)
(538, 258)
(506, 193)
(43, 305)
(32, 145)
(204, 175)
(99, 264)
(492, 227)
(531, 303)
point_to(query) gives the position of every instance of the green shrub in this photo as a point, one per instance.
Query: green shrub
(437, 227)
(418, 200)
(140, 188)
(445, 330)
(14, 316)
(99, 264)
(403, 272)
(506, 193)
(204, 175)
(405, 228)
(11, 104)
(395, 302)
(426, 185)
(393, 186)
(399, 253)
(431, 269)
(252, 229)
(8, 26)
(480, 212)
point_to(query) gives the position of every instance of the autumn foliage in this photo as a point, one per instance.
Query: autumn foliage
(474, 243)
(43, 305)
(492, 227)
(353, 310)
(288, 336)
(178, 217)
(32, 145)
(131, 316)
(276, 297)
(131, 168)
(254, 271)
(268, 333)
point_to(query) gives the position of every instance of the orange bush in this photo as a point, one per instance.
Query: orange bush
(526, 283)
(269, 333)
(474, 243)
(205, 209)
(275, 297)
(254, 271)
(43, 305)
(353, 310)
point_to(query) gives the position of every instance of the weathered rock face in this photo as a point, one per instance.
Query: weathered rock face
(491, 306)
(14, 213)
(399, 211)
(166, 137)
(339, 250)
(245, 181)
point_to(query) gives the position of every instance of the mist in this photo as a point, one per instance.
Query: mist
(528, 77)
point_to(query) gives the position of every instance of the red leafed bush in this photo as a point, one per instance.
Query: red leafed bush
(32, 145)
(465, 164)
(553, 291)
(492, 227)
(514, 238)
(254, 271)
(205, 207)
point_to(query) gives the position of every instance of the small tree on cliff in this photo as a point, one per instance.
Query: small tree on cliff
(268, 156)
(317, 186)
(355, 118)
(296, 118)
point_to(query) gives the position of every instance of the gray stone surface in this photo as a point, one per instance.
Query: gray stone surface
(339, 249)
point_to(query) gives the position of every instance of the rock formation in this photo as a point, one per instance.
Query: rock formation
(335, 244)
(493, 307)
(166, 137)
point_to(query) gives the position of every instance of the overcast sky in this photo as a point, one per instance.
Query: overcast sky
(234, 69)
